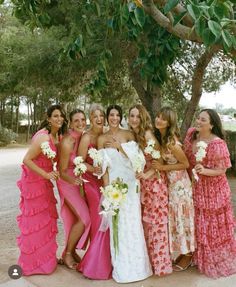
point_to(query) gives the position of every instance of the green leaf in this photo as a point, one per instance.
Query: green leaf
(88, 29)
(227, 38)
(215, 28)
(193, 11)
(178, 18)
(140, 16)
(1, 2)
(220, 11)
(208, 37)
(170, 5)
(200, 26)
(125, 13)
(79, 42)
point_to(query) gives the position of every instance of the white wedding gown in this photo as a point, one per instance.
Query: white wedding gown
(131, 262)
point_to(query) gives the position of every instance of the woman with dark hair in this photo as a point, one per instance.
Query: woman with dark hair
(96, 263)
(74, 210)
(181, 211)
(154, 195)
(37, 221)
(130, 262)
(209, 159)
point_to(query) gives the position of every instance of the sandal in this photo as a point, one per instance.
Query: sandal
(69, 263)
(177, 267)
(76, 257)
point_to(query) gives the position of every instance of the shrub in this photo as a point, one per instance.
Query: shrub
(6, 136)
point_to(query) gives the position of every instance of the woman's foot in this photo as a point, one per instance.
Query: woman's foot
(69, 261)
(76, 257)
(183, 263)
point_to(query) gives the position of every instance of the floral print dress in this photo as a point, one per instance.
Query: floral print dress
(181, 210)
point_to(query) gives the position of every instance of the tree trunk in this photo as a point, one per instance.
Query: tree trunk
(12, 110)
(17, 113)
(197, 82)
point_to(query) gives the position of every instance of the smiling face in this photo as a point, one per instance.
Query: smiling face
(203, 122)
(134, 119)
(97, 119)
(56, 119)
(114, 118)
(78, 122)
(160, 122)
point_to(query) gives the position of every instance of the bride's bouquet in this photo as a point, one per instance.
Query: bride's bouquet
(49, 153)
(113, 196)
(80, 168)
(97, 158)
(200, 154)
(155, 154)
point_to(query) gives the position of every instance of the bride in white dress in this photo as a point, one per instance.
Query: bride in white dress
(131, 262)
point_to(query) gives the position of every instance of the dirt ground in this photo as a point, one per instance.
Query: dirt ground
(10, 160)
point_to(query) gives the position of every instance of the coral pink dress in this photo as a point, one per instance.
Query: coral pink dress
(96, 263)
(181, 209)
(38, 219)
(71, 193)
(154, 199)
(214, 221)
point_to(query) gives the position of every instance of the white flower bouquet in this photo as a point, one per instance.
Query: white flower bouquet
(113, 196)
(155, 154)
(97, 158)
(200, 154)
(49, 153)
(80, 168)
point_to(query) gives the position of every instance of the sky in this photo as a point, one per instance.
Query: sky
(226, 96)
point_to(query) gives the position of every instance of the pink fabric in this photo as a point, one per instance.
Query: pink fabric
(154, 199)
(72, 194)
(214, 220)
(96, 263)
(37, 221)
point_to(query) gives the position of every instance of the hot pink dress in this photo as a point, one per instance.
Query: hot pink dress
(214, 221)
(96, 263)
(38, 219)
(154, 199)
(71, 193)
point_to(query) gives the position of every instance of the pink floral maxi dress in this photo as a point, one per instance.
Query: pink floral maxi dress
(154, 199)
(38, 219)
(214, 221)
(181, 210)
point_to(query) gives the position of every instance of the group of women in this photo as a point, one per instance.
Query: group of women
(170, 223)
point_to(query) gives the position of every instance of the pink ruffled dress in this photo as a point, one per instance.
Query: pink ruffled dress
(38, 219)
(154, 199)
(214, 221)
(71, 193)
(96, 263)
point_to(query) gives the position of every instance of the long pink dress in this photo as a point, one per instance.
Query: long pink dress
(181, 209)
(154, 199)
(96, 263)
(214, 222)
(71, 193)
(38, 219)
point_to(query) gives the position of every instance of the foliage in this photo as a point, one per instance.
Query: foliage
(6, 136)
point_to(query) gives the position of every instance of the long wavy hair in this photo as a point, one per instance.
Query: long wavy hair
(172, 130)
(45, 124)
(145, 124)
(216, 123)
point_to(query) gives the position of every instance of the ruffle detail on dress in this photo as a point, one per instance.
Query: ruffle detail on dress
(28, 226)
(29, 245)
(31, 190)
(217, 155)
(39, 258)
(218, 261)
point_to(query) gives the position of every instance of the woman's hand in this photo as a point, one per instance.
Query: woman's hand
(78, 181)
(157, 165)
(141, 175)
(97, 170)
(199, 168)
(113, 143)
(53, 175)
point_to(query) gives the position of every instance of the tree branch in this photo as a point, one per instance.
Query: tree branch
(179, 30)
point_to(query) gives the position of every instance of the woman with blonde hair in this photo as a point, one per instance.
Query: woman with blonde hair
(181, 210)
(154, 195)
(96, 263)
